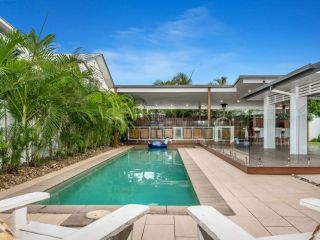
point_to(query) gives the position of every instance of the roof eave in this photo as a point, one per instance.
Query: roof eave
(305, 70)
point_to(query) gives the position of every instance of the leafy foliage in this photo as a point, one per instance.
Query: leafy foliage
(53, 107)
(222, 81)
(178, 79)
(313, 109)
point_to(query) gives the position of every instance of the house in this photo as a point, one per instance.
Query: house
(267, 131)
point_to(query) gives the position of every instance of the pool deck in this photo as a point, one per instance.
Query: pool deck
(263, 204)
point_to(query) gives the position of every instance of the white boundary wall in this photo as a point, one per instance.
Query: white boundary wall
(314, 128)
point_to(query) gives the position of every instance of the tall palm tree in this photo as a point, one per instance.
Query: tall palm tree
(56, 107)
(178, 79)
(222, 81)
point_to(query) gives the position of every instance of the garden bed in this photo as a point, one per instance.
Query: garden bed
(26, 173)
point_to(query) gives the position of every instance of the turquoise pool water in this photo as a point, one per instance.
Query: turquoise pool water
(154, 177)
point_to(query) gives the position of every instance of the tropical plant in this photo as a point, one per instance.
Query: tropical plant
(178, 79)
(49, 105)
(313, 109)
(222, 81)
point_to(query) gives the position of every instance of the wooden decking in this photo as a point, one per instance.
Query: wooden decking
(266, 169)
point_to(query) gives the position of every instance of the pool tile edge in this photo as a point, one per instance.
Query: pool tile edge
(207, 194)
(52, 179)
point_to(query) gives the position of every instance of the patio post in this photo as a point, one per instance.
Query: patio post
(115, 132)
(269, 122)
(209, 106)
(298, 124)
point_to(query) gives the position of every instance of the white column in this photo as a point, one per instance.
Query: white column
(216, 133)
(298, 124)
(269, 122)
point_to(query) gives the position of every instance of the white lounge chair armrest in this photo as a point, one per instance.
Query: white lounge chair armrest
(217, 226)
(312, 203)
(111, 224)
(22, 200)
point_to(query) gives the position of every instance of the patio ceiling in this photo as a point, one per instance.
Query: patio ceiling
(191, 96)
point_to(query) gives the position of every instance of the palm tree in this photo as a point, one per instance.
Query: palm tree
(178, 79)
(222, 81)
(181, 79)
(55, 107)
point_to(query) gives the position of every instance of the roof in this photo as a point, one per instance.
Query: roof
(191, 96)
(5, 26)
(241, 77)
(292, 76)
(103, 70)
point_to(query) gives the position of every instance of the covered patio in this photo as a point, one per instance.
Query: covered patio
(258, 122)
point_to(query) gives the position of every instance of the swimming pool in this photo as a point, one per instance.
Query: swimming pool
(153, 177)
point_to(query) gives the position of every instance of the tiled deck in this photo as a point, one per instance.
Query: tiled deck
(263, 204)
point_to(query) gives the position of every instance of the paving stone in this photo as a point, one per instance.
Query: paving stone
(89, 208)
(158, 209)
(284, 209)
(282, 230)
(55, 219)
(177, 210)
(251, 225)
(158, 232)
(61, 209)
(34, 216)
(312, 214)
(269, 218)
(186, 238)
(160, 219)
(77, 220)
(185, 226)
(35, 208)
(138, 227)
(303, 224)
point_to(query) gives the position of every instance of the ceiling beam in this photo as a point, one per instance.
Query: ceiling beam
(281, 92)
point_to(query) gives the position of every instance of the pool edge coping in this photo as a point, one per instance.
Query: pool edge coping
(206, 193)
(52, 179)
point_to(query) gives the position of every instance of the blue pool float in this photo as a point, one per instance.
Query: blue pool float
(158, 144)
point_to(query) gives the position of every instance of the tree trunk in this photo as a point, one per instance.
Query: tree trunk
(115, 138)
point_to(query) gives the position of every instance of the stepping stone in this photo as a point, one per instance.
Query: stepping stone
(77, 220)
(97, 214)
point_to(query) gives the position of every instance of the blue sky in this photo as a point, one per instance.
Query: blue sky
(144, 41)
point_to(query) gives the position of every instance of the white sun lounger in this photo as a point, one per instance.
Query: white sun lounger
(212, 225)
(116, 225)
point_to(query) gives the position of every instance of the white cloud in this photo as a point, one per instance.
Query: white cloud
(192, 24)
(142, 56)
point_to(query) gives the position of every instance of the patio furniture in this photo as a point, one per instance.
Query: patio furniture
(312, 203)
(116, 225)
(213, 225)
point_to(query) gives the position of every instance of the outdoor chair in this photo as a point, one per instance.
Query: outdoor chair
(212, 225)
(116, 225)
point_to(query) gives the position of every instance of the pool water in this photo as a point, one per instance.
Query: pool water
(153, 177)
